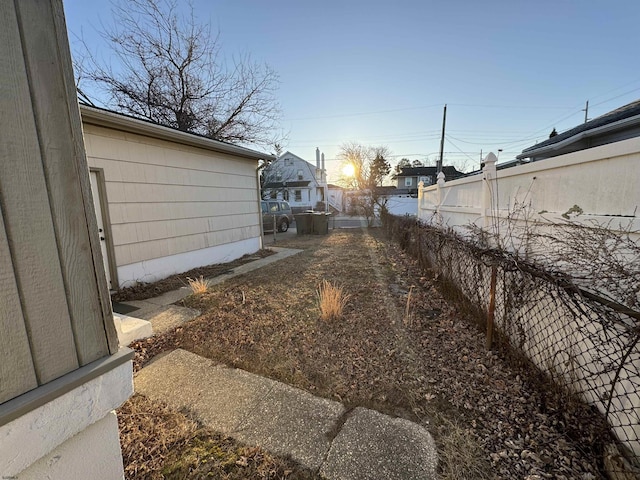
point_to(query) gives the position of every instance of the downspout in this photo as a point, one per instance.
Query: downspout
(260, 167)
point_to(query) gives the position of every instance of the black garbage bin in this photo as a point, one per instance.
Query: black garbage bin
(320, 223)
(303, 223)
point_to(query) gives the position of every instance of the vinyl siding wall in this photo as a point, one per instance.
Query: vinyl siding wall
(166, 198)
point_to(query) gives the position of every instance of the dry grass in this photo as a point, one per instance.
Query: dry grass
(199, 285)
(414, 357)
(331, 300)
(461, 457)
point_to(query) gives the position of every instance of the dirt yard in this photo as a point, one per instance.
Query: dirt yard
(399, 348)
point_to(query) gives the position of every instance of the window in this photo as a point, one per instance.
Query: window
(298, 195)
(408, 181)
(426, 180)
(284, 206)
(278, 176)
(265, 209)
(288, 162)
(300, 175)
(273, 207)
(285, 195)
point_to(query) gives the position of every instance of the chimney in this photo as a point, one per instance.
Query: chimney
(322, 156)
(317, 157)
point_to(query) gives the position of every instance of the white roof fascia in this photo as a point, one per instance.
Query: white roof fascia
(102, 118)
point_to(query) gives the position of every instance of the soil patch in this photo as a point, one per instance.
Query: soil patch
(142, 290)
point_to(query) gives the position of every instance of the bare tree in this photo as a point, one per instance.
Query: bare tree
(169, 70)
(274, 181)
(370, 167)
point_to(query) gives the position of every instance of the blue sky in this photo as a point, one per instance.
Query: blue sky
(379, 73)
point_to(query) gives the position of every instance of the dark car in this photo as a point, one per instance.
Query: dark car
(278, 209)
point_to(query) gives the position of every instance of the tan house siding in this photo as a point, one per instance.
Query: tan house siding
(166, 198)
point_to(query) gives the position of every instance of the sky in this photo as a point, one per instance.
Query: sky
(380, 72)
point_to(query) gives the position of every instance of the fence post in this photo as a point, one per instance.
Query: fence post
(440, 196)
(420, 198)
(489, 184)
(492, 307)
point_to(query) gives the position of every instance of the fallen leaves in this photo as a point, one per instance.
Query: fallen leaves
(432, 369)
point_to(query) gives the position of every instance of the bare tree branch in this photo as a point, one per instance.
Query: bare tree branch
(168, 69)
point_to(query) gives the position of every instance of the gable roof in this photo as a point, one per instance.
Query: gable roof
(449, 172)
(106, 118)
(288, 154)
(618, 119)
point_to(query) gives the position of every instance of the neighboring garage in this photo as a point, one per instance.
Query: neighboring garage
(168, 201)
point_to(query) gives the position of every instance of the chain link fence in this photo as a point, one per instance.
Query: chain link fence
(577, 339)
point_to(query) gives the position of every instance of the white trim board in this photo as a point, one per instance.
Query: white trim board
(159, 268)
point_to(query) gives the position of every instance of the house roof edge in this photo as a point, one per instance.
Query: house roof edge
(108, 119)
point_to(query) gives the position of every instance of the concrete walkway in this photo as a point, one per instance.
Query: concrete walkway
(318, 433)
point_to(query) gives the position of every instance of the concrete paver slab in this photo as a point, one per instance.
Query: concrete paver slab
(218, 396)
(292, 422)
(281, 253)
(170, 297)
(371, 445)
(165, 318)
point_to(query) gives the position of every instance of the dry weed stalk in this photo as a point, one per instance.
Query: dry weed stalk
(332, 300)
(408, 314)
(199, 285)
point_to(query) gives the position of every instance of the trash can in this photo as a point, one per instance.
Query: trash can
(303, 223)
(320, 223)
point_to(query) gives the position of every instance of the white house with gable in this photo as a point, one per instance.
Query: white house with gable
(299, 182)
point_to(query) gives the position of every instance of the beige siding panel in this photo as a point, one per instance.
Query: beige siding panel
(166, 198)
(115, 191)
(123, 255)
(64, 184)
(24, 196)
(17, 373)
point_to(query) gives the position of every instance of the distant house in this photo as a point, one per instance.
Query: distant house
(619, 124)
(409, 177)
(168, 201)
(297, 181)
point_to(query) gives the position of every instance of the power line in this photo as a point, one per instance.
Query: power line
(423, 107)
(372, 112)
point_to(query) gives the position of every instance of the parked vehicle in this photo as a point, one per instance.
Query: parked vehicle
(282, 212)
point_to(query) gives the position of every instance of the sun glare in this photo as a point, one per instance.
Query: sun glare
(348, 170)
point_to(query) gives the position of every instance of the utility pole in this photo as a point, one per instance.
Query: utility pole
(444, 122)
(586, 111)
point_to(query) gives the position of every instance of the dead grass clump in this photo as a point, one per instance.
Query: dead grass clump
(149, 431)
(199, 285)
(331, 300)
(460, 456)
(160, 444)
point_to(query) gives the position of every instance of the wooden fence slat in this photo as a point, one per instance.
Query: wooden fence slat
(17, 374)
(63, 176)
(27, 214)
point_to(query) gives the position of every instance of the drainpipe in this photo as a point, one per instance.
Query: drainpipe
(323, 173)
(260, 167)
